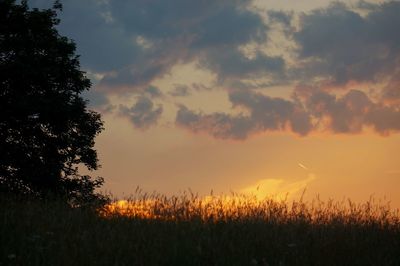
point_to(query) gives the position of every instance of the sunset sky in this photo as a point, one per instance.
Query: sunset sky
(232, 95)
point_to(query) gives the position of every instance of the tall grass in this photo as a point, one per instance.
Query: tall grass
(153, 229)
(241, 207)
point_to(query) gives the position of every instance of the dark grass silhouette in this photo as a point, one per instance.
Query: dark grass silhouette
(189, 230)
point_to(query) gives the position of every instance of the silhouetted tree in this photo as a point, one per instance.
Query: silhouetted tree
(46, 130)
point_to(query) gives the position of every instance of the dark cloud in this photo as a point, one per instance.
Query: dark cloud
(135, 42)
(233, 64)
(273, 113)
(102, 44)
(341, 115)
(134, 78)
(180, 90)
(384, 119)
(366, 5)
(283, 17)
(98, 101)
(209, 31)
(205, 23)
(200, 87)
(95, 98)
(218, 125)
(154, 92)
(264, 114)
(340, 45)
(352, 112)
(143, 113)
(319, 111)
(391, 92)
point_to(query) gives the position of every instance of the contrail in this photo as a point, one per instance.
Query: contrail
(302, 166)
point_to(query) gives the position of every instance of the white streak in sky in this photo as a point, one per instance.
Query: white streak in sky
(302, 166)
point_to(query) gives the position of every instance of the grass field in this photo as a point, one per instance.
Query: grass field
(189, 230)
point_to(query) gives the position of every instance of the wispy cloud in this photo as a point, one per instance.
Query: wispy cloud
(278, 188)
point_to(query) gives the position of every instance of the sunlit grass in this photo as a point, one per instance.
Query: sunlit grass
(244, 207)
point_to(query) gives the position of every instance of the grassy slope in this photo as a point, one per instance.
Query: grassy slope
(34, 233)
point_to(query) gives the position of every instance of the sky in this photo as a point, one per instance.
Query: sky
(265, 97)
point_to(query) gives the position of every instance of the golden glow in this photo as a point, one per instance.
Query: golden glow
(277, 188)
(240, 207)
(188, 206)
(169, 160)
(141, 209)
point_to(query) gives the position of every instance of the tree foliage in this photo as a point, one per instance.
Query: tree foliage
(46, 130)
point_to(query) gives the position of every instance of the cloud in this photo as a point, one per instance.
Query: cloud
(282, 17)
(207, 31)
(265, 114)
(218, 125)
(180, 90)
(206, 23)
(384, 119)
(133, 78)
(316, 112)
(271, 114)
(98, 101)
(340, 45)
(233, 64)
(200, 87)
(130, 44)
(352, 112)
(279, 189)
(391, 92)
(143, 113)
(135, 42)
(101, 43)
(153, 91)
